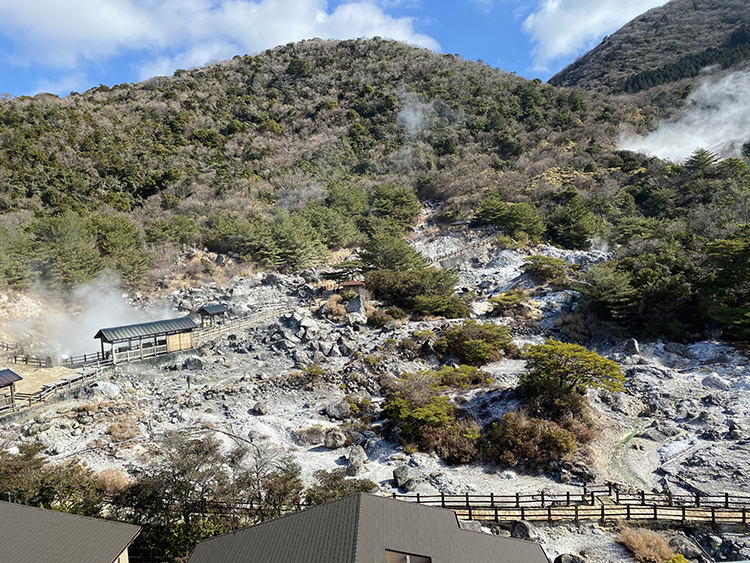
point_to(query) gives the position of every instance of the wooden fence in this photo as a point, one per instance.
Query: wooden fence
(203, 335)
(49, 389)
(602, 503)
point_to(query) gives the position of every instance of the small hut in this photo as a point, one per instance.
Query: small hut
(8, 381)
(147, 339)
(357, 287)
(213, 315)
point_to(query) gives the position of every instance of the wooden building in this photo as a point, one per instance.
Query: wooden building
(213, 315)
(8, 381)
(147, 339)
(357, 287)
(37, 535)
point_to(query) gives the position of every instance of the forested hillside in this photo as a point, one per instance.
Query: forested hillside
(672, 42)
(310, 147)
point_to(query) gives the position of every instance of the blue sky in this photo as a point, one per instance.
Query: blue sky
(60, 46)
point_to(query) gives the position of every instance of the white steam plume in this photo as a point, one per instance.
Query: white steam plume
(717, 118)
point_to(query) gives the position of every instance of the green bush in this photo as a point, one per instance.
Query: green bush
(517, 437)
(507, 301)
(474, 343)
(546, 269)
(333, 485)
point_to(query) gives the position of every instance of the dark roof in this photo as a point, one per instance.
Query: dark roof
(119, 333)
(7, 377)
(36, 535)
(358, 529)
(213, 309)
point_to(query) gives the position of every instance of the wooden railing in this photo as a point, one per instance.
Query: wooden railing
(140, 353)
(203, 335)
(49, 389)
(603, 502)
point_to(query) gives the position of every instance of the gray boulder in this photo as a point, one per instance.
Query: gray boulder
(334, 439)
(260, 408)
(568, 558)
(193, 363)
(356, 305)
(409, 486)
(682, 544)
(523, 530)
(355, 469)
(356, 455)
(339, 410)
(401, 475)
(103, 389)
(631, 347)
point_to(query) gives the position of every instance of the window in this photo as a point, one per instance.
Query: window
(396, 557)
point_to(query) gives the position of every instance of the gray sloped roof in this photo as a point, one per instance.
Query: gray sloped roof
(7, 377)
(143, 330)
(36, 535)
(358, 529)
(213, 309)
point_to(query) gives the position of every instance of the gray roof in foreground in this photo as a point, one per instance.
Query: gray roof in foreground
(358, 529)
(36, 535)
(144, 330)
(7, 377)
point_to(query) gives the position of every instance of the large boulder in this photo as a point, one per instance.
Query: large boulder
(523, 530)
(401, 475)
(334, 439)
(339, 410)
(682, 544)
(193, 363)
(103, 389)
(357, 454)
(260, 408)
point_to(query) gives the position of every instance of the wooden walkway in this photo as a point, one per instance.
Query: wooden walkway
(600, 504)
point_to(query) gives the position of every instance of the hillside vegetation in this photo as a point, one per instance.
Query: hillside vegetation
(666, 44)
(311, 147)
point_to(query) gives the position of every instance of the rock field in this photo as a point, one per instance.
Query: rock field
(682, 426)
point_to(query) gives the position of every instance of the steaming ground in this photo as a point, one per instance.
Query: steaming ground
(716, 117)
(683, 425)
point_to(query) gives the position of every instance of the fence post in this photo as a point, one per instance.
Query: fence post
(609, 487)
(496, 517)
(627, 516)
(684, 516)
(471, 515)
(726, 500)
(576, 516)
(467, 501)
(418, 499)
(593, 502)
(518, 500)
(492, 499)
(394, 495)
(542, 499)
(713, 516)
(549, 514)
(669, 498)
(656, 514)
(442, 500)
(744, 516)
(643, 498)
(602, 513)
(617, 496)
(697, 500)
(567, 498)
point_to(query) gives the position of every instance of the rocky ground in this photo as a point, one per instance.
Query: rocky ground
(682, 426)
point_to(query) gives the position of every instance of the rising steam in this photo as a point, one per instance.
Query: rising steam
(716, 118)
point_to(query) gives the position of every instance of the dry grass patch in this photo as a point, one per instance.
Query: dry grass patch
(645, 545)
(113, 480)
(123, 430)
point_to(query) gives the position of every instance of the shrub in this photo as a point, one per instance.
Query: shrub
(448, 306)
(517, 437)
(474, 343)
(379, 318)
(462, 376)
(506, 301)
(645, 545)
(333, 485)
(427, 421)
(123, 430)
(546, 269)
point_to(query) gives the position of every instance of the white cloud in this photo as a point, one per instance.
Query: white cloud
(484, 6)
(75, 82)
(566, 27)
(183, 33)
(717, 118)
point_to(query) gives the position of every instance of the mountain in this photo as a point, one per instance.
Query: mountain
(669, 43)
